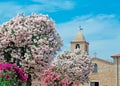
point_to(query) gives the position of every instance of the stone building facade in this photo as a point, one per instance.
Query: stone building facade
(104, 73)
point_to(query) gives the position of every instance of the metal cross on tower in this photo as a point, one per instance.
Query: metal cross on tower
(95, 54)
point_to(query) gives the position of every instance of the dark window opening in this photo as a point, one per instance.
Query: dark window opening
(94, 83)
(95, 68)
(77, 46)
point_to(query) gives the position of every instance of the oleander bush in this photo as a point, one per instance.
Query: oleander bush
(11, 74)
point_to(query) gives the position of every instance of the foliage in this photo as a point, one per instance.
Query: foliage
(10, 74)
(76, 65)
(29, 41)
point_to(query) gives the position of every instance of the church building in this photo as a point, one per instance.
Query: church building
(104, 73)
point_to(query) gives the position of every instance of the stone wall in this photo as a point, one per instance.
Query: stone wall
(105, 74)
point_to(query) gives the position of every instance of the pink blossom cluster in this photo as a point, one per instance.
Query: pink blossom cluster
(32, 40)
(11, 71)
(76, 65)
(53, 77)
(20, 73)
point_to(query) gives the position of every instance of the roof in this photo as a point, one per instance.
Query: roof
(79, 37)
(116, 55)
(95, 58)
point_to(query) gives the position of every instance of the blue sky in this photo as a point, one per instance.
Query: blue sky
(99, 18)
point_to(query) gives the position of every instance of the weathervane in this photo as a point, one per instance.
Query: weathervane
(80, 28)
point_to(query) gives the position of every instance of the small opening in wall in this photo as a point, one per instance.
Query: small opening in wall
(94, 83)
(77, 46)
(95, 68)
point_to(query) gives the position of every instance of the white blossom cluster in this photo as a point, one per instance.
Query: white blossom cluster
(76, 65)
(32, 40)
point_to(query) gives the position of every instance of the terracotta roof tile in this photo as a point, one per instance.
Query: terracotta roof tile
(116, 55)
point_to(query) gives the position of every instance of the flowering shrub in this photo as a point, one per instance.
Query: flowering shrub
(30, 41)
(76, 65)
(10, 73)
(54, 77)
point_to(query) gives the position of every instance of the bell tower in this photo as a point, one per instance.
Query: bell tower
(79, 42)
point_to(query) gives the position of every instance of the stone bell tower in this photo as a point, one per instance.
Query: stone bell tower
(80, 42)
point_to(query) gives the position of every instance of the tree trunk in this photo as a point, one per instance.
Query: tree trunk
(71, 84)
(29, 80)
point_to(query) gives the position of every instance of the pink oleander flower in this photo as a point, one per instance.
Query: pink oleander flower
(64, 81)
(1, 66)
(10, 71)
(8, 66)
(53, 76)
(20, 73)
(8, 76)
(1, 75)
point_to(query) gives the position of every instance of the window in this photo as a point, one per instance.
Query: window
(86, 47)
(94, 83)
(77, 46)
(95, 68)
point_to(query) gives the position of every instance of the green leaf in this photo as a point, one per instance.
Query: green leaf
(30, 58)
(35, 44)
(54, 69)
(13, 32)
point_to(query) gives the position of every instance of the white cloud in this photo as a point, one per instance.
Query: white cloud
(62, 4)
(10, 9)
(102, 32)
